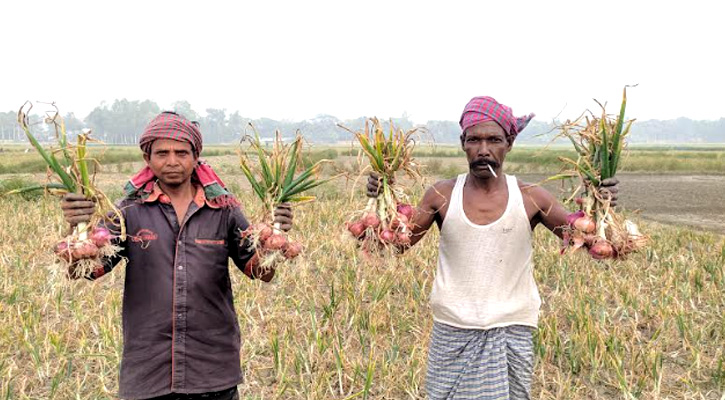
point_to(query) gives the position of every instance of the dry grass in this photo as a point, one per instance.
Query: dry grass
(334, 327)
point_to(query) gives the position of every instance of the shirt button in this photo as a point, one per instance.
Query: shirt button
(181, 267)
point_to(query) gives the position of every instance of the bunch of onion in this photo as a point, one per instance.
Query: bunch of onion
(376, 233)
(386, 220)
(605, 233)
(69, 172)
(599, 143)
(277, 176)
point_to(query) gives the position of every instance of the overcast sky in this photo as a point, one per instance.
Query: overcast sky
(297, 59)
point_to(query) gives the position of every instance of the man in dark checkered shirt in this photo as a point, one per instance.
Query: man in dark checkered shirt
(181, 336)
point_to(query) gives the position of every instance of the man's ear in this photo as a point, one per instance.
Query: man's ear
(146, 157)
(463, 138)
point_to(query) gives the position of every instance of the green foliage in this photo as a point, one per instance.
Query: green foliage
(441, 168)
(18, 183)
(312, 157)
(277, 175)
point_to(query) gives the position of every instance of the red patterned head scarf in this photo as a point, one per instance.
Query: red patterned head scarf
(169, 125)
(485, 108)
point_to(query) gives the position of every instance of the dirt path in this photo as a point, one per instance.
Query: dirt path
(693, 200)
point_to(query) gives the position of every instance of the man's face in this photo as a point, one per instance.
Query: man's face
(485, 144)
(171, 161)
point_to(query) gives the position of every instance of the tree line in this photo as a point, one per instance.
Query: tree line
(122, 121)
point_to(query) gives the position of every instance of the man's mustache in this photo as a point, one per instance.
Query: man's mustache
(482, 163)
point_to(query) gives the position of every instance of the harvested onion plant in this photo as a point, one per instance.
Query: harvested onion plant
(386, 221)
(599, 142)
(68, 172)
(277, 176)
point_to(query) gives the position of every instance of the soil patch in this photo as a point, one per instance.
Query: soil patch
(692, 200)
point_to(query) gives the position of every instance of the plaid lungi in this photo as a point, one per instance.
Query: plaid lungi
(478, 364)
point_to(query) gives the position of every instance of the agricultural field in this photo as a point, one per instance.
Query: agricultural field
(336, 326)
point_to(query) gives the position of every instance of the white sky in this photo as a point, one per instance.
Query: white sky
(297, 59)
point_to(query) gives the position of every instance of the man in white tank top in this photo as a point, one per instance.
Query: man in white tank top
(485, 302)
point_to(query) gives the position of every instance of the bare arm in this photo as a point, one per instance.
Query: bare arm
(254, 270)
(241, 251)
(542, 207)
(431, 208)
(426, 213)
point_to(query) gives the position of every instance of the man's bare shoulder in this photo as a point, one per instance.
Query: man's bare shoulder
(528, 186)
(439, 192)
(444, 187)
(535, 192)
(445, 184)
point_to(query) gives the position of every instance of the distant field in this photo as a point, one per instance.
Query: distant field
(676, 191)
(441, 159)
(24, 159)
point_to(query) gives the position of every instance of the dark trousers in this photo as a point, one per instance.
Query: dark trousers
(227, 394)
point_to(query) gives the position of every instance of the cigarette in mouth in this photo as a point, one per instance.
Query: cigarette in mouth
(492, 171)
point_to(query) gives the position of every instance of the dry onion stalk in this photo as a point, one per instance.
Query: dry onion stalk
(277, 176)
(599, 143)
(386, 221)
(69, 173)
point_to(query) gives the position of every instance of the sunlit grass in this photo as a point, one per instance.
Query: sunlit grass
(334, 326)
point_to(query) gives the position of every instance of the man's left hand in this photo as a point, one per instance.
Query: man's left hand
(283, 216)
(608, 189)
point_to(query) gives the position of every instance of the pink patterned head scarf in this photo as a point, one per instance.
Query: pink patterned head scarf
(169, 125)
(485, 108)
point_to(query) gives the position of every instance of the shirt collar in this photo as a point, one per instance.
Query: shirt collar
(158, 195)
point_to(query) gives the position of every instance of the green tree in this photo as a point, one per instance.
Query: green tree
(236, 126)
(214, 125)
(9, 128)
(183, 107)
(123, 121)
(73, 124)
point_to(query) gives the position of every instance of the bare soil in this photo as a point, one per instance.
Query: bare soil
(696, 201)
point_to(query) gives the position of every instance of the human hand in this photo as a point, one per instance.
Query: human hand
(77, 208)
(608, 189)
(283, 216)
(373, 187)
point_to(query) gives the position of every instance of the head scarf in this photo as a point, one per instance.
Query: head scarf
(169, 125)
(485, 108)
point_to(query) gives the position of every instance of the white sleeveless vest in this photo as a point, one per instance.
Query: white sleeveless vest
(485, 272)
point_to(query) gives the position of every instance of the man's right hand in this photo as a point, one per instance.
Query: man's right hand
(373, 188)
(609, 190)
(76, 208)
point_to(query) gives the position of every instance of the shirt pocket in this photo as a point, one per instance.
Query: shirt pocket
(207, 257)
(209, 249)
(210, 242)
(207, 244)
